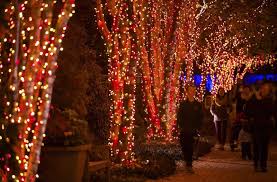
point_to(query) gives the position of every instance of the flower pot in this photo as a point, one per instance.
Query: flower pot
(63, 164)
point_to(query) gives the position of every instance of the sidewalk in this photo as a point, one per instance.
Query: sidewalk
(225, 166)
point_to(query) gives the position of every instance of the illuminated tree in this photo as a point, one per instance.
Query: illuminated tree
(31, 47)
(226, 40)
(156, 25)
(185, 46)
(161, 38)
(199, 36)
(166, 34)
(121, 49)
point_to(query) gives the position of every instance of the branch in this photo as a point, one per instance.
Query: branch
(101, 22)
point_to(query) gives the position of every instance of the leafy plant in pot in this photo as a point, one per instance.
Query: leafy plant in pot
(66, 146)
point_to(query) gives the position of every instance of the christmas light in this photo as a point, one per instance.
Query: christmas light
(121, 49)
(33, 43)
(162, 39)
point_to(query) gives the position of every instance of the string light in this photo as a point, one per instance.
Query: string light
(163, 37)
(33, 42)
(121, 49)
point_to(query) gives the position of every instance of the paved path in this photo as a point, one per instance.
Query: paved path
(225, 166)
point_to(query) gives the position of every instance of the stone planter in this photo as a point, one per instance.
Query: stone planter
(63, 164)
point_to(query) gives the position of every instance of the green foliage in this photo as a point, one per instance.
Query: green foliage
(81, 84)
(72, 82)
(172, 150)
(66, 129)
(158, 166)
(123, 174)
(67, 125)
(99, 107)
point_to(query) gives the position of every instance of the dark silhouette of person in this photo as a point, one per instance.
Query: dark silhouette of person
(243, 98)
(219, 111)
(189, 120)
(259, 112)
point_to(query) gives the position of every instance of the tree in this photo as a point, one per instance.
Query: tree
(31, 47)
(122, 53)
(81, 82)
(226, 40)
(166, 37)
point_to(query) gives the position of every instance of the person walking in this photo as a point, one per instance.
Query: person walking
(245, 139)
(243, 97)
(189, 120)
(219, 111)
(260, 111)
(235, 126)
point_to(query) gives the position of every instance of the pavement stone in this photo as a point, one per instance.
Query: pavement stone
(225, 166)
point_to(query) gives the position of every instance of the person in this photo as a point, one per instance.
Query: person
(235, 126)
(259, 112)
(245, 139)
(219, 111)
(189, 120)
(243, 97)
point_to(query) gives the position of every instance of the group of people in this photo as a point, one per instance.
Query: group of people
(250, 112)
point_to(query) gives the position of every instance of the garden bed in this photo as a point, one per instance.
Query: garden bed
(154, 160)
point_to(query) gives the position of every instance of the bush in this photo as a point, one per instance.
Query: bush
(99, 152)
(147, 166)
(121, 174)
(171, 150)
(154, 160)
(82, 83)
(158, 166)
(64, 128)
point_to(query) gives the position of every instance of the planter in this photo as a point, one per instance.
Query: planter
(63, 164)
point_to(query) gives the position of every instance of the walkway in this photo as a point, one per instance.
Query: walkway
(225, 166)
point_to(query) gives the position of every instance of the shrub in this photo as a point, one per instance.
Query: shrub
(66, 129)
(158, 166)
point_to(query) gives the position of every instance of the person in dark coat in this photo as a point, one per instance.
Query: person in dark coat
(243, 97)
(189, 120)
(219, 111)
(260, 111)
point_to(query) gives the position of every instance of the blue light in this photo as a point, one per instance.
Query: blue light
(198, 79)
(250, 79)
(209, 83)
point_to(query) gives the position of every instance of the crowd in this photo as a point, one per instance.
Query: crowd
(249, 110)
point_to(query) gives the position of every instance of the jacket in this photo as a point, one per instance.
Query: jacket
(260, 113)
(190, 116)
(219, 112)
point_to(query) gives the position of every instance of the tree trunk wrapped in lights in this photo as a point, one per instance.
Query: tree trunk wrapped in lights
(167, 35)
(186, 36)
(122, 52)
(164, 36)
(41, 26)
(156, 23)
